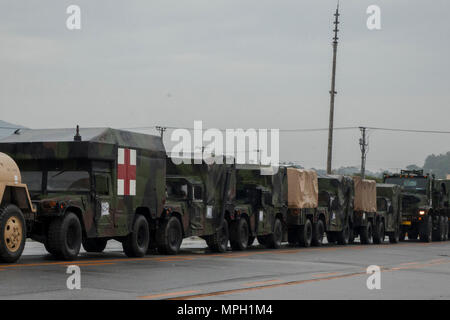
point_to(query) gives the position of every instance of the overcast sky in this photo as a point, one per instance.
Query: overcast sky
(246, 63)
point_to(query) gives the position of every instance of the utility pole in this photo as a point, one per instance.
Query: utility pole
(363, 144)
(332, 91)
(161, 130)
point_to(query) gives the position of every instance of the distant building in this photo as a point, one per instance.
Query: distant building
(448, 176)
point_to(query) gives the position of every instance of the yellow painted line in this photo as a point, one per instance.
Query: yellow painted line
(320, 275)
(261, 282)
(169, 294)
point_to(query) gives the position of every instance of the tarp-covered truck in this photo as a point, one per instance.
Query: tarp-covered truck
(365, 223)
(90, 186)
(338, 192)
(308, 216)
(16, 210)
(389, 210)
(195, 206)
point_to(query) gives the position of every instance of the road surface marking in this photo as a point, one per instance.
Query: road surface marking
(164, 295)
(261, 282)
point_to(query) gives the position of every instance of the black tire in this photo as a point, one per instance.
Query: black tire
(305, 234)
(318, 233)
(426, 230)
(135, 244)
(447, 228)
(12, 233)
(274, 239)
(412, 235)
(262, 240)
(351, 238)
(366, 234)
(95, 244)
(251, 240)
(169, 236)
(379, 233)
(331, 237)
(343, 236)
(218, 242)
(293, 236)
(65, 236)
(443, 229)
(239, 234)
(394, 237)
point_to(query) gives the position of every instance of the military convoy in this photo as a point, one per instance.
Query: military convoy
(86, 187)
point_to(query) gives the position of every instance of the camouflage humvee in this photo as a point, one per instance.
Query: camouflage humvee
(90, 186)
(389, 208)
(197, 195)
(425, 205)
(338, 192)
(258, 209)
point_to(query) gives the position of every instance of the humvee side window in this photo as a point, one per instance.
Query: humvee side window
(33, 179)
(198, 193)
(102, 184)
(68, 181)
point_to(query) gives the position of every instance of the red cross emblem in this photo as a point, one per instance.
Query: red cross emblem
(126, 172)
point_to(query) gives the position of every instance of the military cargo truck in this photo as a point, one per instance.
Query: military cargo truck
(89, 186)
(308, 217)
(258, 208)
(16, 210)
(338, 193)
(365, 222)
(389, 208)
(197, 195)
(425, 205)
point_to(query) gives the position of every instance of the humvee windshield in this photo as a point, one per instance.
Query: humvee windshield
(416, 184)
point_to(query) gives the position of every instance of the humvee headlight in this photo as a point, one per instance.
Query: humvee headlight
(422, 212)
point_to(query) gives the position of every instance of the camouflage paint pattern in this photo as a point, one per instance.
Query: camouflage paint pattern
(102, 215)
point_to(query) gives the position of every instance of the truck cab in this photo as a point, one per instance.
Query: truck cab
(422, 215)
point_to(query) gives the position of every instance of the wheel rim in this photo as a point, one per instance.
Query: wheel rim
(13, 234)
(309, 233)
(278, 233)
(320, 235)
(244, 235)
(141, 236)
(173, 236)
(72, 237)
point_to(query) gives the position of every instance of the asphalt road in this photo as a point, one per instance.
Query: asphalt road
(409, 270)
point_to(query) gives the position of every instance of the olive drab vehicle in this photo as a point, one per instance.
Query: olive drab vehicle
(90, 186)
(365, 222)
(258, 209)
(425, 205)
(308, 217)
(197, 195)
(338, 193)
(389, 210)
(16, 210)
